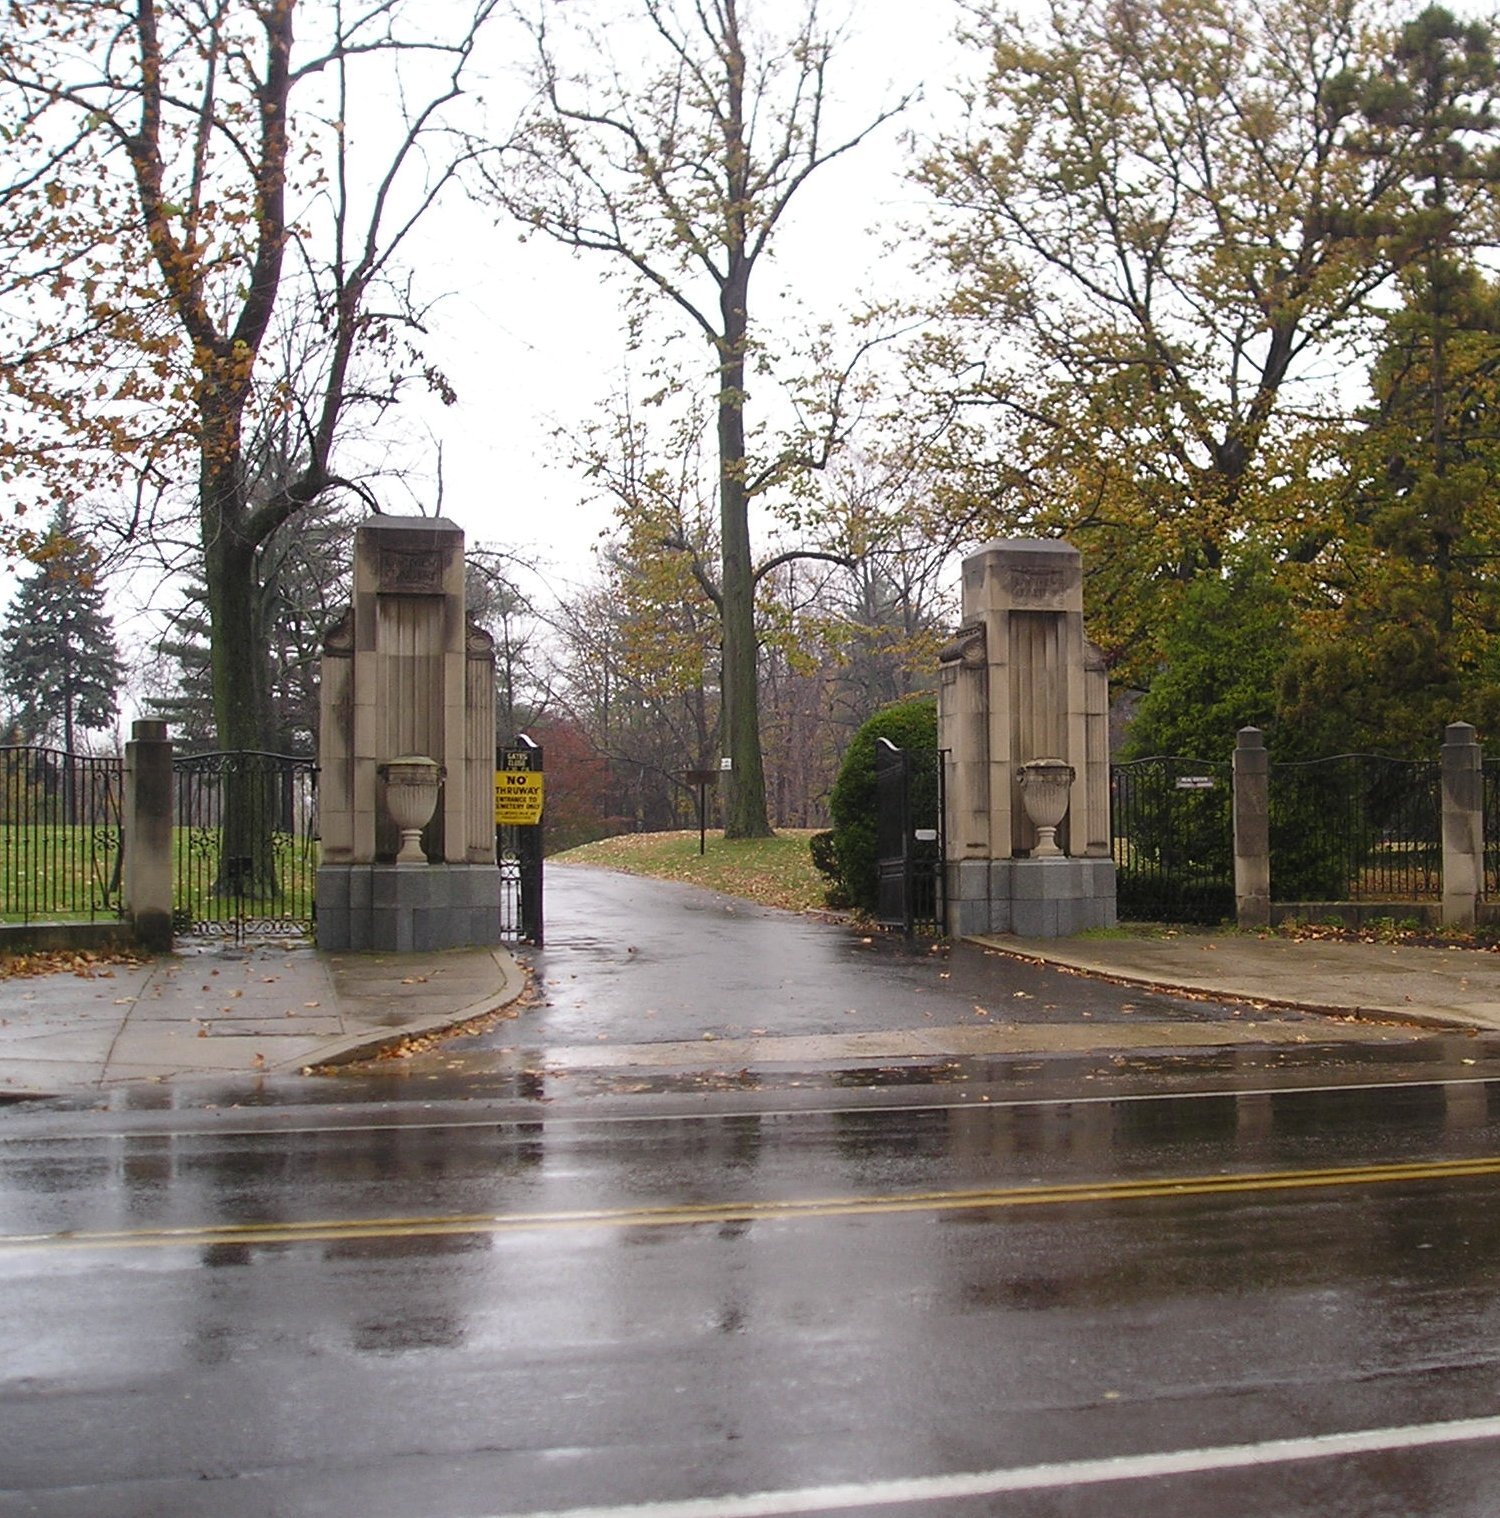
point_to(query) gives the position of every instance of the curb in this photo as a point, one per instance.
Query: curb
(357, 1048)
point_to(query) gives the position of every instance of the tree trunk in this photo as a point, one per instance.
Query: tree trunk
(745, 808)
(247, 866)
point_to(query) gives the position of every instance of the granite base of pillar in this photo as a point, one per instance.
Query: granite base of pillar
(1031, 898)
(400, 910)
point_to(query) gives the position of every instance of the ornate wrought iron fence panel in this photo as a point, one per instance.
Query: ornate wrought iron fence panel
(1172, 834)
(60, 837)
(1356, 827)
(245, 843)
(909, 847)
(518, 852)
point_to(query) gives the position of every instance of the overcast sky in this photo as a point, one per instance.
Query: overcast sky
(531, 336)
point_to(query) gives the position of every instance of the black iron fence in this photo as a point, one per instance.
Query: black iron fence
(1491, 784)
(245, 843)
(60, 836)
(1173, 840)
(1356, 827)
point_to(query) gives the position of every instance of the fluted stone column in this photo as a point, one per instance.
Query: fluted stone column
(406, 676)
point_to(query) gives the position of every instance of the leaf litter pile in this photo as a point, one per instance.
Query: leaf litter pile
(87, 964)
(412, 1044)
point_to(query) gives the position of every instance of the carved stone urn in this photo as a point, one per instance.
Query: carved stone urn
(411, 796)
(1045, 788)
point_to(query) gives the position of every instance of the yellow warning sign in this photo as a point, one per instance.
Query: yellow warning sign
(518, 798)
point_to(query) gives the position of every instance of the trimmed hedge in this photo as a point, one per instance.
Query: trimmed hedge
(907, 724)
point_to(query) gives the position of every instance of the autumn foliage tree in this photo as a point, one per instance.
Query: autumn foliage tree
(1162, 234)
(183, 180)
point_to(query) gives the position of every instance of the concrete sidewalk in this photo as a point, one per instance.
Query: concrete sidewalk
(1429, 987)
(220, 1011)
(223, 1012)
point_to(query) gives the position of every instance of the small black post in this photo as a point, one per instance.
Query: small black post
(529, 848)
(701, 778)
(518, 839)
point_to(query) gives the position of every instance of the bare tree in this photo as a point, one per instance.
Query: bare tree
(681, 167)
(179, 172)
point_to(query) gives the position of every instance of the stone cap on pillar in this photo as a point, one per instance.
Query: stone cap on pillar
(1023, 574)
(410, 555)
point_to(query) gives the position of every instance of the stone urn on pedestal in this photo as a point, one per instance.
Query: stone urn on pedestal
(1045, 788)
(412, 783)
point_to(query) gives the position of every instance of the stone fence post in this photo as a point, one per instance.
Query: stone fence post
(1463, 825)
(146, 821)
(1252, 829)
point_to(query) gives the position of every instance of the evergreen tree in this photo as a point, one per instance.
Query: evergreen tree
(183, 675)
(62, 671)
(1223, 660)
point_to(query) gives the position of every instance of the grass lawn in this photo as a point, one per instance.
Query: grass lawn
(56, 873)
(777, 872)
(52, 872)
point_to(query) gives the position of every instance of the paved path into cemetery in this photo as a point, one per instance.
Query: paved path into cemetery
(221, 1013)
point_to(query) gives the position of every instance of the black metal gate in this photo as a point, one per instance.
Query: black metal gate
(1173, 840)
(518, 851)
(909, 839)
(246, 856)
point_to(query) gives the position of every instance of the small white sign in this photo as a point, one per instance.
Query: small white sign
(726, 763)
(925, 835)
(1196, 782)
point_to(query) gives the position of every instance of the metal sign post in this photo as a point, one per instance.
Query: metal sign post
(702, 779)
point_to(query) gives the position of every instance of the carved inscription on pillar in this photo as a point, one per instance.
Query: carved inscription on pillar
(1036, 585)
(412, 571)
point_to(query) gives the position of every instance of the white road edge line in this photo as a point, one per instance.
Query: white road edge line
(1035, 1478)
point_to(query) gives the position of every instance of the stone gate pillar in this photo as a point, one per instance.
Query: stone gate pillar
(405, 676)
(1023, 707)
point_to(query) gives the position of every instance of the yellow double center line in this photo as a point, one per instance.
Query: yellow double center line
(686, 1214)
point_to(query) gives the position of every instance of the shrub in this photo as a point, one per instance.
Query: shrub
(826, 862)
(907, 724)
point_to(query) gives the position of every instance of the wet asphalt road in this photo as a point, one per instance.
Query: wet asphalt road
(444, 1317)
(462, 1292)
(639, 959)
